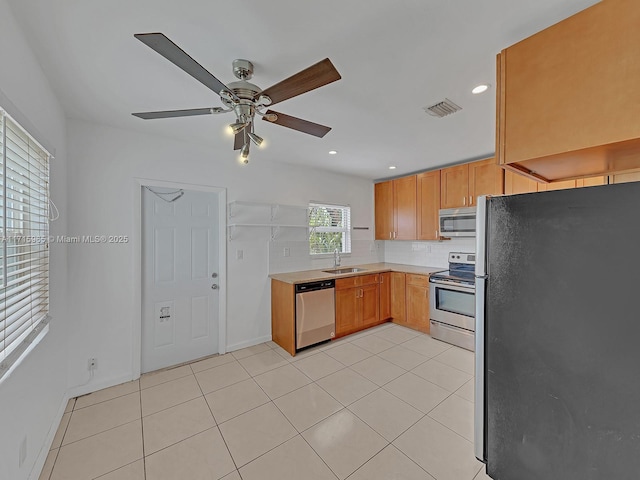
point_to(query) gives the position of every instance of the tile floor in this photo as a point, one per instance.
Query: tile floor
(388, 403)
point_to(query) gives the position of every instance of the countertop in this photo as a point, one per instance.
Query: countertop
(315, 275)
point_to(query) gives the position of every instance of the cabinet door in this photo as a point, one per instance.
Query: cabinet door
(591, 181)
(404, 195)
(454, 187)
(397, 297)
(572, 73)
(418, 307)
(347, 318)
(624, 177)
(384, 210)
(514, 183)
(369, 305)
(485, 178)
(385, 296)
(547, 187)
(428, 204)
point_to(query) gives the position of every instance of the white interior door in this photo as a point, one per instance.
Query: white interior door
(180, 291)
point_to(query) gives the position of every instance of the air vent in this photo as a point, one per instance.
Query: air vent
(442, 109)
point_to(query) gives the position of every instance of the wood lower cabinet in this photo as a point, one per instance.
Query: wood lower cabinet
(398, 307)
(357, 303)
(283, 315)
(385, 296)
(417, 302)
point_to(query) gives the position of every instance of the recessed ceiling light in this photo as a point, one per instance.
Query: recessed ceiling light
(332, 152)
(392, 167)
(480, 88)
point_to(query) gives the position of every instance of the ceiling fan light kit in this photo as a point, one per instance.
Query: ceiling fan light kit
(242, 97)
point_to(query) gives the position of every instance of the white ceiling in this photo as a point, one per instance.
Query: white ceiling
(395, 57)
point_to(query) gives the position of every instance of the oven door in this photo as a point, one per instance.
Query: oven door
(453, 304)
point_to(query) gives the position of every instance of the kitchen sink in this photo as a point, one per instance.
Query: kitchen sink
(345, 270)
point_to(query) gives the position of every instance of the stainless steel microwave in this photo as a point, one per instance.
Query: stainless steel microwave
(458, 222)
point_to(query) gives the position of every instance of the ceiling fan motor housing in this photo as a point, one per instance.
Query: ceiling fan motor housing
(242, 69)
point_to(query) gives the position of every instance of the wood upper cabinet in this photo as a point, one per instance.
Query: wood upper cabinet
(485, 178)
(383, 193)
(428, 205)
(454, 186)
(417, 300)
(357, 303)
(516, 183)
(405, 198)
(461, 185)
(385, 296)
(625, 177)
(395, 209)
(568, 96)
(398, 312)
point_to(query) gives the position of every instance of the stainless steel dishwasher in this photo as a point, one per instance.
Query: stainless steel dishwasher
(315, 312)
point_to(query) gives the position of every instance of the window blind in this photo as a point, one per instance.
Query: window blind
(24, 230)
(329, 228)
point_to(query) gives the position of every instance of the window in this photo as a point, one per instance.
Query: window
(24, 235)
(329, 228)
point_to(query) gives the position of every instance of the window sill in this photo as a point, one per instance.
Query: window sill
(15, 358)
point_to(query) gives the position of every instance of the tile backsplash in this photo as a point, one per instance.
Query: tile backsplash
(428, 254)
(293, 255)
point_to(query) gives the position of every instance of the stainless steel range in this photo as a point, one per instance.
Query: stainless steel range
(452, 301)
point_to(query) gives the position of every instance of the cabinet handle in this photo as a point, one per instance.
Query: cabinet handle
(464, 201)
(470, 200)
(436, 234)
(395, 235)
(390, 237)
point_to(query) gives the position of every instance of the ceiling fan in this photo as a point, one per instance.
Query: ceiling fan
(241, 97)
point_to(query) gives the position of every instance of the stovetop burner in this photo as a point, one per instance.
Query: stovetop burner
(461, 269)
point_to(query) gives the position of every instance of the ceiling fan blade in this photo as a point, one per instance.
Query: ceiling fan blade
(318, 75)
(238, 142)
(295, 123)
(169, 50)
(173, 113)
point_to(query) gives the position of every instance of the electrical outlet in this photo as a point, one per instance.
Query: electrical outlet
(92, 364)
(22, 453)
(286, 252)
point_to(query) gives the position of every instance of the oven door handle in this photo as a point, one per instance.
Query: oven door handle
(452, 286)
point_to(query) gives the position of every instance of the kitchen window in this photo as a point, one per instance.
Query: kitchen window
(24, 240)
(329, 228)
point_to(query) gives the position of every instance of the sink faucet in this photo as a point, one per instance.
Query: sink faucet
(336, 258)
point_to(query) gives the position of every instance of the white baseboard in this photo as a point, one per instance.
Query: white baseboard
(46, 446)
(248, 343)
(95, 386)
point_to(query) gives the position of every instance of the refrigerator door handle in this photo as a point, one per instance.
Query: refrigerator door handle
(481, 282)
(479, 412)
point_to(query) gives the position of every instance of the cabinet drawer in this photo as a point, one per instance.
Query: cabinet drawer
(422, 280)
(357, 281)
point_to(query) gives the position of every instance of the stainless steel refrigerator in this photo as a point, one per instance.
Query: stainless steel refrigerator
(558, 334)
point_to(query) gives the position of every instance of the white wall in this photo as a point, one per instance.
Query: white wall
(32, 397)
(103, 163)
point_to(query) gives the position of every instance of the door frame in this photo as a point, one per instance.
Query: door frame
(139, 184)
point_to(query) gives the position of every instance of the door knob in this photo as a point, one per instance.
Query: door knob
(214, 275)
(214, 286)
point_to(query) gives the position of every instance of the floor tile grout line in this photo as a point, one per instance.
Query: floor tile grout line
(100, 433)
(108, 399)
(144, 456)
(115, 469)
(445, 426)
(413, 461)
(167, 381)
(54, 463)
(65, 432)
